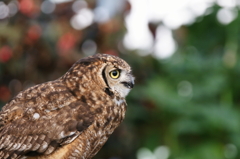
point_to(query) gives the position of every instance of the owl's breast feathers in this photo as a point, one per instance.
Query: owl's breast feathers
(50, 121)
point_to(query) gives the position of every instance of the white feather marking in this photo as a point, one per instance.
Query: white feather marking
(71, 133)
(118, 102)
(36, 116)
(44, 145)
(62, 134)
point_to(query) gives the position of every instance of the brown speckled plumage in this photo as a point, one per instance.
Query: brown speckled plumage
(69, 118)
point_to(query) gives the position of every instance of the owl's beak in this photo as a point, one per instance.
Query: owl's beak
(128, 84)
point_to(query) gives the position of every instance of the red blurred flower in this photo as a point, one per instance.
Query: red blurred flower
(5, 54)
(67, 42)
(28, 7)
(34, 32)
(5, 94)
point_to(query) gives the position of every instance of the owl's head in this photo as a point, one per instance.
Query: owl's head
(116, 74)
(118, 79)
(109, 73)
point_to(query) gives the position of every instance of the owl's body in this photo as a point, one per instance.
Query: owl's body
(71, 117)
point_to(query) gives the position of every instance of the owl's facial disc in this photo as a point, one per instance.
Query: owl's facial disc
(119, 80)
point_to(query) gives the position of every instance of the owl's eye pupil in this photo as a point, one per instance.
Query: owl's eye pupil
(115, 74)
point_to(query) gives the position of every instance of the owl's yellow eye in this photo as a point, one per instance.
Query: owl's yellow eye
(114, 74)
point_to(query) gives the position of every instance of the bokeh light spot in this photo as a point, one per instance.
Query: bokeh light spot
(165, 45)
(138, 35)
(162, 152)
(13, 8)
(60, 1)
(226, 16)
(226, 3)
(145, 153)
(82, 19)
(4, 10)
(89, 47)
(202, 7)
(78, 5)
(47, 7)
(101, 15)
(178, 18)
(230, 151)
(185, 89)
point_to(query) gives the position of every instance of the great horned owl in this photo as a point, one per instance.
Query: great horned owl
(71, 117)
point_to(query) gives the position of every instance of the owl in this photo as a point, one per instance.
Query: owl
(71, 117)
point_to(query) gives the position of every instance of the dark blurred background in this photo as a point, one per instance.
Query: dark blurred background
(184, 54)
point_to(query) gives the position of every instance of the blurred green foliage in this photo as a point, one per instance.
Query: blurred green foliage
(201, 124)
(188, 102)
